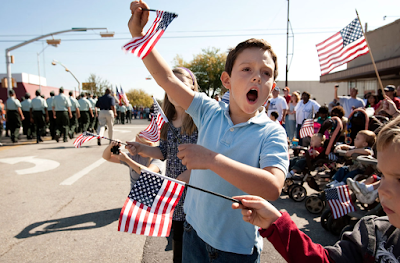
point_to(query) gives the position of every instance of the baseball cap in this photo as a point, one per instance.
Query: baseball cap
(389, 88)
(286, 88)
(277, 89)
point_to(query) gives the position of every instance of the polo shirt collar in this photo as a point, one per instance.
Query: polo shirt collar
(260, 119)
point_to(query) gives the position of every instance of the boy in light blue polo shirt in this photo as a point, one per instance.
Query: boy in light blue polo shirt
(239, 149)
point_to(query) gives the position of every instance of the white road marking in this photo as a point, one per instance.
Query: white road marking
(41, 165)
(79, 175)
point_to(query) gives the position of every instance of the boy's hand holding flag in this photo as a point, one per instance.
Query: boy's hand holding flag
(142, 44)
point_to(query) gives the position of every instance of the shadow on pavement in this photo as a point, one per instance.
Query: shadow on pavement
(73, 223)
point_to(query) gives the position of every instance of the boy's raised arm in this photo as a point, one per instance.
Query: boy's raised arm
(154, 63)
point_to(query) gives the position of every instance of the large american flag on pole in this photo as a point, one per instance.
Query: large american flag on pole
(152, 132)
(344, 46)
(141, 46)
(84, 137)
(307, 129)
(123, 97)
(339, 201)
(150, 205)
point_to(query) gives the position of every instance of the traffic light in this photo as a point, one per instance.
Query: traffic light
(4, 83)
(12, 59)
(14, 83)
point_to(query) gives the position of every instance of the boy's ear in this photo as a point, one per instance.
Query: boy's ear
(226, 80)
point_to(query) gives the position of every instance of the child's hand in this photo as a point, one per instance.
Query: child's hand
(256, 210)
(123, 156)
(349, 153)
(138, 19)
(194, 156)
(133, 147)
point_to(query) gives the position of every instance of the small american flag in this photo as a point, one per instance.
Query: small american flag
(152, 132)
(339, 201)
(141, 46)
(84, 137)
(150, 205)
(344, 46)
(307, 129)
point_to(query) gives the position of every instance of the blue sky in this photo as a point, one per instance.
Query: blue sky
(200, 25)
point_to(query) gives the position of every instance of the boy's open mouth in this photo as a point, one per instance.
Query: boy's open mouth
(252, 95)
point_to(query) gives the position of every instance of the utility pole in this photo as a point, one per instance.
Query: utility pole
(287, 45)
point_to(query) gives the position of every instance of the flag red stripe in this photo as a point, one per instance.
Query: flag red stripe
(121, 214)
(160, 204)
(129, 215)
(343, 53)
(319, 46)
(167, 207)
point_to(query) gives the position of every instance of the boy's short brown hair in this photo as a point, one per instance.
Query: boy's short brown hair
(252, 42)
(390, 134)
(369, 136)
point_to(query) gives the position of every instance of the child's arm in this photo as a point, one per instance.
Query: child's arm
(360, 151)
(155, 64)
(144, 150)
(137, 167)
(281, 231)
(108, 156)
(343, 147)
(266, 182)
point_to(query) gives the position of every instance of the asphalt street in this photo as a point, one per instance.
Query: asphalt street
(61, 204)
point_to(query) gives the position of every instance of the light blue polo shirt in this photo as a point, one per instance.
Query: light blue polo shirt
(61, 102)
(259, 142)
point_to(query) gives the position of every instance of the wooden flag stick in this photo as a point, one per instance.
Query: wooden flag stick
(150, 10)
(372, 58)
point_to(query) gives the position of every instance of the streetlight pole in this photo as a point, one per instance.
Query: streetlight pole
(8, 50)
(55, 62)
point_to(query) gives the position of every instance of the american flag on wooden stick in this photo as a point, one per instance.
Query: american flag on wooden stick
(152, 132)
(339, 201)
(84, 137)
(307, 129)
(150, 205)
(342, 47)
(141, 46)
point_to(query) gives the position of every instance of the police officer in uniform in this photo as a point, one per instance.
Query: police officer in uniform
(62, 111)
(52, 119)
(86, 112)
(39, 115)
(14, 115)
(26, 123)
(94, 116)
(73, 123)
(129, 114)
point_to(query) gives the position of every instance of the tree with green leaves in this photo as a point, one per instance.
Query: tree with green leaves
(139, 98)
(95, 85)
(208, 67)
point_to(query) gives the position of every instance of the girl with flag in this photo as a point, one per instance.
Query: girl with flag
(180, 129)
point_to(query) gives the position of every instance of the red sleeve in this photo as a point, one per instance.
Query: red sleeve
(293, 244)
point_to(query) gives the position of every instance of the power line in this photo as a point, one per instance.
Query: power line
(201, 36)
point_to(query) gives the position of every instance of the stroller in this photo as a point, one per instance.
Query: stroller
(346, 223)
(294, 186)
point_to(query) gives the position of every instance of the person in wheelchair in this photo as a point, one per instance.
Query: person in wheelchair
(363, 142)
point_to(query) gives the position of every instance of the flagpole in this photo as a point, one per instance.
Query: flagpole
(102, 137)
(372, 58)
